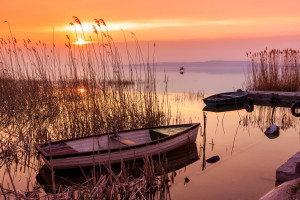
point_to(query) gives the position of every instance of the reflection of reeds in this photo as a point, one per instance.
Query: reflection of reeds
(146, 179)
(274, 70)
(156, 172)
(153, 182)
(189, 96)
(46, 97)
(263, 116)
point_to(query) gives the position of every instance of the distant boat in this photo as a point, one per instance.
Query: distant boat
(116, 147)
(181, 70)
(228, 98)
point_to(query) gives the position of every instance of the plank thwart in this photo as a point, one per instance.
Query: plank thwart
(123, 140)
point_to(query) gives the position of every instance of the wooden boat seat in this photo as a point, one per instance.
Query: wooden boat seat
(59, 149)
(154, 134)
(228, 95)
(124, 140)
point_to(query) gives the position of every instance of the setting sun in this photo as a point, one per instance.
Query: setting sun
(81, 41)
(205, 28)
(82, 82)
(81, 90)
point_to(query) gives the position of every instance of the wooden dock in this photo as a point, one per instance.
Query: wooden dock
(274, 96)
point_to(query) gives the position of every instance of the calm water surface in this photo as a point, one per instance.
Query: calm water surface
(248, 158)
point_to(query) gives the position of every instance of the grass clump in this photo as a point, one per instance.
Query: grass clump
(275, 70)
(45, 96)
(152, 182)
(89, 91)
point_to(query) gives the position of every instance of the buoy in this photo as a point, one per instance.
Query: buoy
(293, 109)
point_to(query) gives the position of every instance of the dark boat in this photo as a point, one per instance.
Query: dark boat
(228, 98)
(225, 108)
(181, 70)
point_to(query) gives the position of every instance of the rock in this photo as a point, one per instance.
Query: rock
(288, 190)
(272, 129)
(272, 132)
(290, 169)
(297, 170)
(213, 159)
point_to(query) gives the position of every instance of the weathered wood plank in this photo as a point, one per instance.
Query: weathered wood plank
(58, 149)
(275, 96)
(126, 154)
(124, 140)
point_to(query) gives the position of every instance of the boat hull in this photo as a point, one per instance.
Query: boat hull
(173, 160)
(221, 99)
(135, 152)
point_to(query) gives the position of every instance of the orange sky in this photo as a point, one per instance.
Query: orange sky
(223, 29)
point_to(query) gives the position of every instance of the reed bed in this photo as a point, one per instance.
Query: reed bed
(46, 96)
(274, 70)
(152, 183)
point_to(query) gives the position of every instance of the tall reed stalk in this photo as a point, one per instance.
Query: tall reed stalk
(275, 70)
(90, 91)
(46, 96)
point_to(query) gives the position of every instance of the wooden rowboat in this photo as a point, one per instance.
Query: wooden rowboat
(172, 160)
(228, 98)
(116, 147)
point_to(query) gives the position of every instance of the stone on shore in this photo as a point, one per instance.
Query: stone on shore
(290, 169)
(289, 190)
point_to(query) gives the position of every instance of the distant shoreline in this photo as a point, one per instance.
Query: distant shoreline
(210, 67)
(205, 63)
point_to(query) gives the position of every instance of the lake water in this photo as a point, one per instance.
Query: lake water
(248, 158)
(208, 77)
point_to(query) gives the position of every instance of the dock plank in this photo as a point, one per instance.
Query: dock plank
(277, 96)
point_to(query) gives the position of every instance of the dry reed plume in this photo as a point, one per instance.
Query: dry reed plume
(152, 183)
(45, 96)
(275, 70)
(91, 91)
